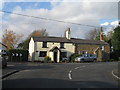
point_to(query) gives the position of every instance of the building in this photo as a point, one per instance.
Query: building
(58, 48)
(3, 48)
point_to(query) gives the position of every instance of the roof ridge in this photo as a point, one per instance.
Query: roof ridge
(47, 37)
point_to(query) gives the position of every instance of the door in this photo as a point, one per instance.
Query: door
(55, 57)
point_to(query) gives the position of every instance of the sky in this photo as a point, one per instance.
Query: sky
(98, 14)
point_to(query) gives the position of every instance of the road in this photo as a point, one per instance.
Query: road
(62, 75)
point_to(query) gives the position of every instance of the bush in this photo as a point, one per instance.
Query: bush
(108, 60)
(119, 58)
(72, 57)
(115, 55)
(47, 59)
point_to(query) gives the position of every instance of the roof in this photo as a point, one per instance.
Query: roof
(65, 40)
(54, 48)
(3, 44)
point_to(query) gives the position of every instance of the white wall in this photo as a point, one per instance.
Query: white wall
(69, 48)
(2, 47)
(31, 49)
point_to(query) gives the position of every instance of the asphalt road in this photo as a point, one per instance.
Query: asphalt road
(67, 75)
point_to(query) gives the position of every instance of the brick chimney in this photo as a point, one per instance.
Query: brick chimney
(67, 33)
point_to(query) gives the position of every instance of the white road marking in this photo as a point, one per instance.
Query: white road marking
(115, 75)
(76, 67)
(69, 74)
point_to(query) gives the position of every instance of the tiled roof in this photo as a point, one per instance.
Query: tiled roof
(72, 40)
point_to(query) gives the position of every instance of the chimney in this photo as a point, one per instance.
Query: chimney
(67, 33)
(101, 35)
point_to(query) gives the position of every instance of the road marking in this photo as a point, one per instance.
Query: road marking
(115, 75)
(69, 74)
(76, 67)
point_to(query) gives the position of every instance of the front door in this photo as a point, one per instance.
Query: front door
(55, 57)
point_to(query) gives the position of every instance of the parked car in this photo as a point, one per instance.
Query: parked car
(86, 57)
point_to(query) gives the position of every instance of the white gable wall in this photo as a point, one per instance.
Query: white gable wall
(31, 49)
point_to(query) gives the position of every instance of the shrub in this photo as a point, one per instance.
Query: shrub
(47, 59)
(72, 57)
(119, 58)
(52, 61)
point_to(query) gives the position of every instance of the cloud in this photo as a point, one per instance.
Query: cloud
(78, 12)
(109, 26)
(114, 23)
(105, 24)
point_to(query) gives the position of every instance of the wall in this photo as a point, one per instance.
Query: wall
(31, 49)
(69, 48)
(2, 48)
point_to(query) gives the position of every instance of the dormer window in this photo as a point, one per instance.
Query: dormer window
(61, 45)
(44, 45)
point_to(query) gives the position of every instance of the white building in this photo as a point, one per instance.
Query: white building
(54, 47)
(3, 48)
(58, 48)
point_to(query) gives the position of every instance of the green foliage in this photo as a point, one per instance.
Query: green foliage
(35, 33)
(24, 44)
(108, 60)
(47, 59)
(72, 57)
(119, 58)
(116, 38)
(115, 55)
(18, 58)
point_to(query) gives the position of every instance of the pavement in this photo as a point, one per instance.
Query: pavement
(59, 75)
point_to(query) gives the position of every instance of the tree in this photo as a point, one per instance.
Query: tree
(116, 38)
(35, 33)
(10, 38)
(92, 34)
(39, 33)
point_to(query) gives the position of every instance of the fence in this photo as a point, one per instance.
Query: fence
(18, 55)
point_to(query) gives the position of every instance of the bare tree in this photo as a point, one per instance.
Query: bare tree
(35, 33)
(92, 34)
(10, 38)
(39, 32)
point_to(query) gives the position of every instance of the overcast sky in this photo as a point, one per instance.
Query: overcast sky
(88, 13)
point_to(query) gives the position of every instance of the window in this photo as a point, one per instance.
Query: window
(44, 44)
(43, 53)
(61, 45)
(63, 54)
